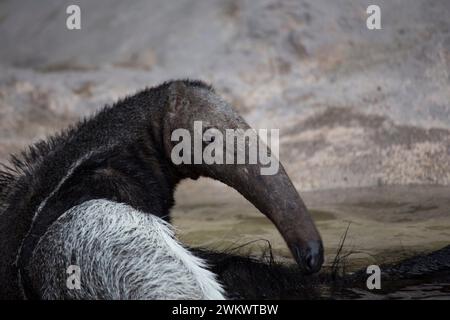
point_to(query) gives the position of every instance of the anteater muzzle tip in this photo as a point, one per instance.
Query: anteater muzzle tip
(310, 258)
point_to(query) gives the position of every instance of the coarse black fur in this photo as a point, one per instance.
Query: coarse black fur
(121, 158)
(263, 278)
(120, 155)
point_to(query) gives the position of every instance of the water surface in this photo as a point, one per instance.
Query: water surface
(385, 225)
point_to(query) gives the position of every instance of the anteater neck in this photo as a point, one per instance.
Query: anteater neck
(117, 155)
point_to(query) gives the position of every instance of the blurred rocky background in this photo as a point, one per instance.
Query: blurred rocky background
(355, 107)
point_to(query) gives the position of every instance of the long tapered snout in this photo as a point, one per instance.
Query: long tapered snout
(276, 197)
(272, 193)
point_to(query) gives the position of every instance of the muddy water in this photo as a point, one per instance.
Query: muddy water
(385, 225)
(437, 288)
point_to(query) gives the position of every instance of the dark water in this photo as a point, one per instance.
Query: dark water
(432, 287)
(385, 226)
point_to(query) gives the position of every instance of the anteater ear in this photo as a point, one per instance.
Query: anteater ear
(178, 97)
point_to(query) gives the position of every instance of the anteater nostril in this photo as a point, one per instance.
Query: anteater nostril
(314, 256)
(310, 259)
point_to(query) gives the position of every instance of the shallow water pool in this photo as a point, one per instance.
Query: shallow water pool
(381, 225)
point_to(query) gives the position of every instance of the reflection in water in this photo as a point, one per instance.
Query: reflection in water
(433, 287)
(386, 225)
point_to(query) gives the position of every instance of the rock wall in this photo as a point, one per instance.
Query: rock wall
(354, 107)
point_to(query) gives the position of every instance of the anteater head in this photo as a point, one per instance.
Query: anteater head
(204, 136)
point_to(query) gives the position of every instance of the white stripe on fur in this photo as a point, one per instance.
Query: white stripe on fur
(70, 171)
(123, 253)
(207, 280)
